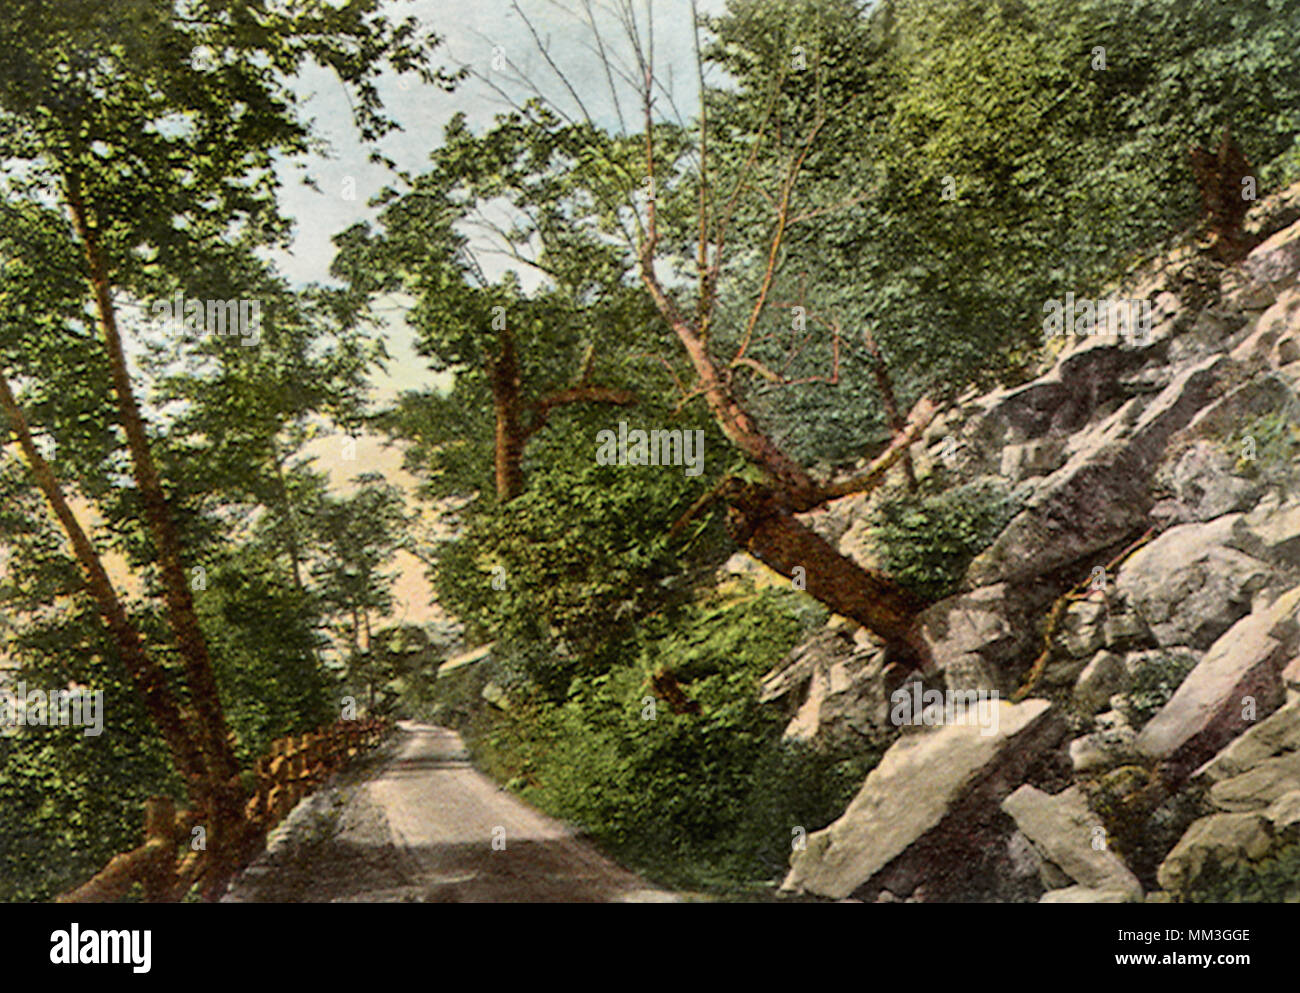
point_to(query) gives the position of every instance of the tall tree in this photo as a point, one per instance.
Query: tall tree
(154, 125)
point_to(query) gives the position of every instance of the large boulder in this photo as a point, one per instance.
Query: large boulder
(1191, 584)
(928, 813)
(1070, 836)
(1100, 496)
(1237, 681)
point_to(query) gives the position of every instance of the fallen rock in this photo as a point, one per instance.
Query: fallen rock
(1191, 584)
(1103, 677)
(1209, 709)
(1066, 833)
(927, 811)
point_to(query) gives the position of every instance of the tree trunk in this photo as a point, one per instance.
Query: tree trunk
(761, 518)
(291, 525)
(510, 436)
(777, 539)
(226, 812)
(149, 679)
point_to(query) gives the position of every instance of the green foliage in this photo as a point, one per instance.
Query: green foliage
(927, 541)
(1275, 879)
(1274, 441)
(1154, 681)
(262, 636)
(706, 800)
(578, 558)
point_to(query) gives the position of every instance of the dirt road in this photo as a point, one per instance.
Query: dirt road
(422, 825)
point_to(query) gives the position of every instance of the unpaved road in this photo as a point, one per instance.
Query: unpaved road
(422, 825)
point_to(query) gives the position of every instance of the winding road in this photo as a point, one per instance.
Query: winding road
(425, 826)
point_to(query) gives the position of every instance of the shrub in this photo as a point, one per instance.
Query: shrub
(926, 542)
(1272, 880)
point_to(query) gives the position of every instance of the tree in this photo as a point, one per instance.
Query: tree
(358, 536)
(154, 125)
(634, 190)
(527, 356)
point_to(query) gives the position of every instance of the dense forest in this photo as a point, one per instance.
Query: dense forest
(669, 312)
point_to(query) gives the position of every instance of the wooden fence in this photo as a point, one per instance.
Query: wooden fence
(294, 767)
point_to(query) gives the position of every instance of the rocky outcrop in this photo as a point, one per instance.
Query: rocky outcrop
(1099, 497)
(1162, 698)
(927, 812)
(834, 691)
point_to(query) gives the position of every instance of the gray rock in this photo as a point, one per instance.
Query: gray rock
(1103, 677)
(1276, 734)
(1191, 584)
(1065, 832)
(1204, 487)
(1259, 787)
(928, 786)
(1217, 841)
(968, 630)
(833, 689)
(1102, 751)
(1207, 710)
(1032, 458)
(1277, 529)
(1267, 271)
(1122, 629)
(1081, 632)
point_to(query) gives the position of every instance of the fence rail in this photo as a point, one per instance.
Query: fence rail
(294, 767)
